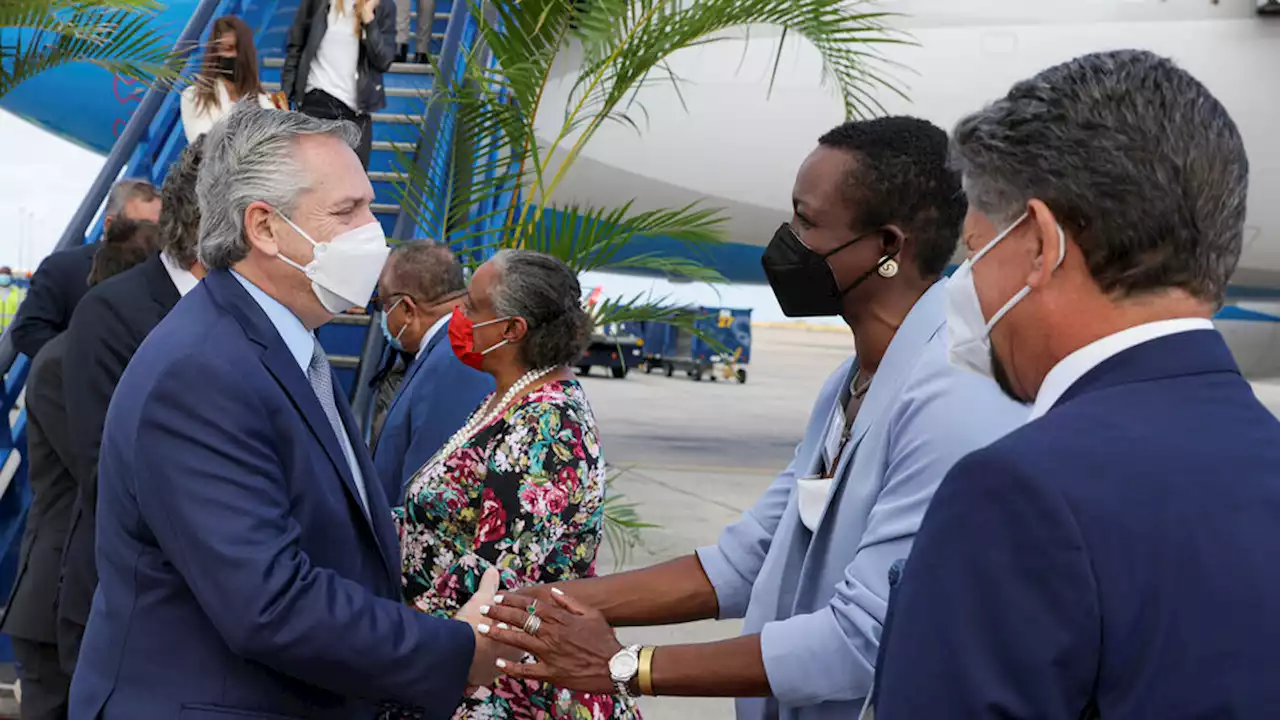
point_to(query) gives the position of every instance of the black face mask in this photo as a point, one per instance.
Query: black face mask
(801, 279)
(227, 66)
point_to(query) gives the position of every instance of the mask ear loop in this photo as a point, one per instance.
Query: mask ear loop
(1026, 290)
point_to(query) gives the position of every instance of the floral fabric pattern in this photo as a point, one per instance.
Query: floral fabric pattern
(525, 495)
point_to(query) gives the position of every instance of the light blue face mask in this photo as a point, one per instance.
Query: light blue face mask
(6, 280)
(393, 340)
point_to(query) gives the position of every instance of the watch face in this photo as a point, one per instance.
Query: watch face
(623, 666)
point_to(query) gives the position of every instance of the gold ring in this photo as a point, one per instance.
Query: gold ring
(532, 624)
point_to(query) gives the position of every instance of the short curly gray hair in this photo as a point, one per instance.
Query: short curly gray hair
(545, 292)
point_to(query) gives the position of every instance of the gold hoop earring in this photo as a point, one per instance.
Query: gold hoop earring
(888, 268)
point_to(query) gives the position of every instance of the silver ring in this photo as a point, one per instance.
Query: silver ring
(531, 625)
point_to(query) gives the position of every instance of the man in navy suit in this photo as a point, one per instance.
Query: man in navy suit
(248, 562)
(420, 285)
(1116, 557)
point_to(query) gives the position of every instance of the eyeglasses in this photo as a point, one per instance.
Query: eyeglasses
(380, 304)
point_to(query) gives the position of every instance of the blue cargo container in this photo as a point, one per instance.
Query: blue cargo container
(670, 348)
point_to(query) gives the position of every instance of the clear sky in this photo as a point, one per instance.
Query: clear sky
(45, 178)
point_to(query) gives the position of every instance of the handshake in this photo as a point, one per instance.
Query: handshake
(571, 642)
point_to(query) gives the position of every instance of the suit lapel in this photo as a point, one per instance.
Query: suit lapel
(284, 368)
(926, 318)
(163, 292)
(379, 508)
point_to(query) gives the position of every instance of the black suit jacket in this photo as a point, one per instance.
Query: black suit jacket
(111, 322)
(30, 612)
(56, 287)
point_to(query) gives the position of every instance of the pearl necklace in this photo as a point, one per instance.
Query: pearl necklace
(481, 419)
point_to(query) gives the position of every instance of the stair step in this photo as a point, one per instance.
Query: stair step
(388, 146)
(383, 176)
(395, 118)
(344, 362)
(401, 68)
(385, 209)
(409, 92)
(350, 319)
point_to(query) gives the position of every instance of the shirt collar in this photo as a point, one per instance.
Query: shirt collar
(300, 341)
(431, 332)
(1074, 366)
(182, 278)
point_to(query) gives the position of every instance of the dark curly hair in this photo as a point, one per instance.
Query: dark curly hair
(179, 209)
(545, 292)
(901, 175)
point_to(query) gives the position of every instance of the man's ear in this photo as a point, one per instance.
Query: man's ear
(1049, 245)
(261, 229)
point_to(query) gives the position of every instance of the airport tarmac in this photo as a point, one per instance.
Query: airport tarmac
(696, 455)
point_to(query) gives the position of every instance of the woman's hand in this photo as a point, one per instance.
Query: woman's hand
(369, 8)
(573, 643)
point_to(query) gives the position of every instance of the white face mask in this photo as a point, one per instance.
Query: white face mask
(344, 271)
(968, 332)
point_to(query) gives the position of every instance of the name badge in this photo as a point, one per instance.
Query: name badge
(831, 446)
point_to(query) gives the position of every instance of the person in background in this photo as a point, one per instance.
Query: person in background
(877, 215)
(334, 60)
(417, 292)
(426, 19)
(521, 486)
(246, 551)
(61, 280)
(1115, 557)
(229, 72)
(30, 616)
(11, 297)
(385, 385)
(107, 328)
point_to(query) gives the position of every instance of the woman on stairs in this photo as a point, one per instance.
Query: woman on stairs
(229, 72)
(334, 60)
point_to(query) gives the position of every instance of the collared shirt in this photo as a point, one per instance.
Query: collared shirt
(181, 277)
(1074, 366)
(300, 342)
(431, 332)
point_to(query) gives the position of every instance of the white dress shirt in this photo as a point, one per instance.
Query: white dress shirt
(431, 332)
(1074, 366)
(181, 277)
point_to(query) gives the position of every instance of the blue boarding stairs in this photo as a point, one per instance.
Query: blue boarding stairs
(409, 129)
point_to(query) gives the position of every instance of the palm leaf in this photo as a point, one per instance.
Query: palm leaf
(115, 35)
(622, 523)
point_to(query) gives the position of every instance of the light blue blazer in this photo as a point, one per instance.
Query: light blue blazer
(818, 599)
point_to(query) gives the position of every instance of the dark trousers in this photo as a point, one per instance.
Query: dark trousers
(45, 687)
(320, 104)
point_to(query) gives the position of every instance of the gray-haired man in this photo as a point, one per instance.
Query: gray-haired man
(247, 560)
(63, 277)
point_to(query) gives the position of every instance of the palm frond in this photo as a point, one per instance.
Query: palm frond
(115, 35)
(622, 523)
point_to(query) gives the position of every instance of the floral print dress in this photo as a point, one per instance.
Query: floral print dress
(525, 494)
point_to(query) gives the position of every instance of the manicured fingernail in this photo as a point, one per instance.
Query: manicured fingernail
(484, 609)
(484, 629)
(497, 599)
(502, 663)
(557, 591)
(503, 626)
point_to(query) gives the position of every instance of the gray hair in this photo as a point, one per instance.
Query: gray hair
(545, 292)
(251, 155)
(1133, 155)
(180, 211)
(426, 270)
(127, 190)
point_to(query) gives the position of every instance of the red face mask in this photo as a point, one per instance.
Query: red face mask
(463, 340)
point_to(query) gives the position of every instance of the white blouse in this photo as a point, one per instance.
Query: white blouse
(197, 121)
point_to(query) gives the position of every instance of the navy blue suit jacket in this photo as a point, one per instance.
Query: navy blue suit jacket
(1117, 556)
(238, 574)
(437, 395)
